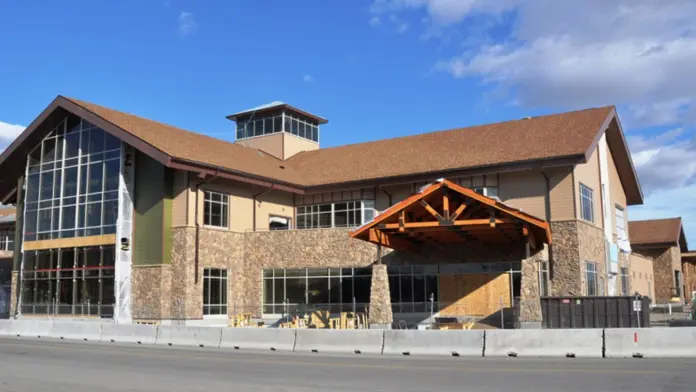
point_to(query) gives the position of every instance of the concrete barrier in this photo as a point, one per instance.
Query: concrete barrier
(188, 336)
(5, 327)
(33, 328)
(129, 333)
(650, 342)
(275, 339)
(76, 330)
(580, 343)
(448, 343)
(353, 341)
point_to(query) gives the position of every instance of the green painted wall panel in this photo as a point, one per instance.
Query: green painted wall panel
(149, 211)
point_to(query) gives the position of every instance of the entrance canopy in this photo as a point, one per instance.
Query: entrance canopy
(447, 213)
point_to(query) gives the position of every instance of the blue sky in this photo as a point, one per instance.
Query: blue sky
(374, 68)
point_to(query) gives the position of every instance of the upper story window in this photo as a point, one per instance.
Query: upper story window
(216, 209)
(72, 183)
(279, 122)
(7, 240)
(342, 214)
(620, 223)
(586, 203)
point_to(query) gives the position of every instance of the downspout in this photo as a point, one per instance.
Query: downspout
(198, 224)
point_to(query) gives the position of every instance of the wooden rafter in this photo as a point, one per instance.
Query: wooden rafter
(431, 210)
(459, 211)
(445, 204)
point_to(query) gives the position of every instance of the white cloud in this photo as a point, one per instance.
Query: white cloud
(187, 23)
(403, 27)
(308, 78)
(8, 132)
(443, 12)
(375, 21)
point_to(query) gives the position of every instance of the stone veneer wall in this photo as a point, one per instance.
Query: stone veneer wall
(665, 262)
(689, 272)
(592, 247)
(380, 297)
(565, 271)
(151, 292)
(530, 300)
(13, 295)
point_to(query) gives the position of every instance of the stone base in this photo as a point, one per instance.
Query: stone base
(530, 325)
(380, 299)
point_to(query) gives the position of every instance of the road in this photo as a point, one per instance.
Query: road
(55, 365)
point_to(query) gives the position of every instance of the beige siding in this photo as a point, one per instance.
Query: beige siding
(618, 196)
(276, 203)
(180, 202)
(293, 144)
(524, 190)
(641, 275)
(588, 174)
(272, 144)
(561, 193)
(397, 192)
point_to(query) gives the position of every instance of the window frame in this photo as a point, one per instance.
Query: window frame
(224, 209)
(625, 281)
(271, 216)
(620, 230)
(360, 210)
(223, 278)
(585, 198)
(595, 278)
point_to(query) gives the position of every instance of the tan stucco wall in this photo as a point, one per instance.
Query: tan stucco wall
(524, 190)
(274, 203)
(618, 196)
(271, 144)
(293, 144)
(588, 174)
(641, 275)
(180, 202)
(665, 262)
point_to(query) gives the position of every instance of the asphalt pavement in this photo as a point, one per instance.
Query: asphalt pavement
(55, 365)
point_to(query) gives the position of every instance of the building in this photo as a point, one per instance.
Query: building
(7, 236)
(125, 217)
(663, 242)
(689, 271)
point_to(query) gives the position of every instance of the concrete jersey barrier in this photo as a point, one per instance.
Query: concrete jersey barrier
(447, 343)
(650, 342)
(76, 330)
(581, 343)
(355, 341)
(33, 328)
(276, 339)
(129, 333)
(188, 336)
(5, 327)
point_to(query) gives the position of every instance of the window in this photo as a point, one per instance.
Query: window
(586, 203)
(295, 124)
(72, 183)
(620, 223)
(69, 281)
(279, 223)
(591, 279)
(215, 211)
(625, 288)
(214, 292)
(299, 290)
(7, 240)
(544, 284)
(412, 288)
(341, 214)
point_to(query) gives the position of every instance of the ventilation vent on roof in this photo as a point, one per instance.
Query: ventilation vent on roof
(281, 166)
(528, 118)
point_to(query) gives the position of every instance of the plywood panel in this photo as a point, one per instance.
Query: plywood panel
(77, 242)
(473, 294)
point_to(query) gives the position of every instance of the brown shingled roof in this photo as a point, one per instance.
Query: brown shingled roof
(191, 146)
(656, 232)
(569, 137)
(553, 136)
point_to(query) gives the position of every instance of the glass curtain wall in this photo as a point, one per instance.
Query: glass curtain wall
(70, 281)
(72, 183)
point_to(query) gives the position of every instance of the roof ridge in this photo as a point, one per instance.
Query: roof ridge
(656, 219)
(471, 127)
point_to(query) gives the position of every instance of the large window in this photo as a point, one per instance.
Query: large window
(215, 210)
(72, 183)
(591, 279)
(412, 288)
(586, 203)
(70, 281)
(7, 240)
(544, 279)
(342, 214)
(295, 124)
(214, 292)
(625, 288)
(620, 223)
(299, 290)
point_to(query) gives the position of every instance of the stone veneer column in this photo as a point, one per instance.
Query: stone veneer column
(380, 315)
(13, 295)
(530, 299)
